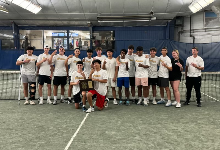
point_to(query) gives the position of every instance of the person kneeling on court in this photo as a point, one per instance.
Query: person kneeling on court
(76, 76)
(100, 78)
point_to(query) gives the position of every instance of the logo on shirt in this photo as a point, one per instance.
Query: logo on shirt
(151, 60)
(139, 60)
(75, 61)
(61, 58)
(78, 78)
(96, 75)
(131, 59)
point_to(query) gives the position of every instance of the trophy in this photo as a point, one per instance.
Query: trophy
(86, 85)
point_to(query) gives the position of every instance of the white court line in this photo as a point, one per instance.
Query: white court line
(210, 96)
(74, 135)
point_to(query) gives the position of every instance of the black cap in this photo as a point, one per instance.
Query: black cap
(30, 48)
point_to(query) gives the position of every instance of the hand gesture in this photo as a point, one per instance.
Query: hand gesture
(194, 65)
(94, 58)
(77, 82)
(83, 60)
(45, 59)
(179, 64)
(163, 64)
(70, 56)
(82, 73)
(27, 61)
(54, 53)
(118, 62)
(105, 62)
(140, 65)
(147, 56)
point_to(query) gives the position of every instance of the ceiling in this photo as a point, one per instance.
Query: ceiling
(80, 12)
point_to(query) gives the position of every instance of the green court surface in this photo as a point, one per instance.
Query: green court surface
(134, 127)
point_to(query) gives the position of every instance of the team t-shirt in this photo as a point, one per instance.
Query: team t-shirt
(152, 70)
(101, 88)
(122, 72)
(59, 62)
(28, 68)
(110, 66)
(192, 71)
(75, 77)
(163, 71)
(87, 66)
(100, 58)
(45, 66)
(141, 72)
(72, 62)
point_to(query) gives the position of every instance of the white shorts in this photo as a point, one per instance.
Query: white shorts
(28, 78)
(111, 83)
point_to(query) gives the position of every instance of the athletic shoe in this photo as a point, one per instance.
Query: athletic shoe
(41, 102)
(145, 103)
(54, 102)
(90, 110)
(81, 103)
(186, 103)
(148, 101)
(84, 109)
(26, 102)
(161, 102)
(69, 101)
(178, 105)
(127, 103)
(199, 105)
(32, 102)
(115, 102)
(106, 105)
(168, 103)
(174, 103)
(120, 102)
(62, 101)
(49, 101)
(139, 102)
(154, 102)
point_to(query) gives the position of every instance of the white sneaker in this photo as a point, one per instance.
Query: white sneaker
(161, 101)
(115, 102)
(41, 102)
(26, 102)
(168, 103)
(139, 102)
(154, 102)
(148, 101)
(32, 102)
(178, 105)
(90, 110)
(145, 103)
(174, 103)
(49, 101)
(54, 102)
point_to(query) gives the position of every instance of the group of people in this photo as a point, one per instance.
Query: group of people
(129, 69)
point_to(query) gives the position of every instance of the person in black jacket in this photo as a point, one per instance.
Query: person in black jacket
(175, 76)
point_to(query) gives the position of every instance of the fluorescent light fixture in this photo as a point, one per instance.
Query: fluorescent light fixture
(122, 20)
(3, 9)
(28, 5)
(197, 5)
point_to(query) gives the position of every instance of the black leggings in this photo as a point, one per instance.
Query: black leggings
(196, 82)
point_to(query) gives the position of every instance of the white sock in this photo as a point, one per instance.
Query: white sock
(168, 101)
(26, 98)
(48, 97)
(41, 98)
(154, 98)
(145, 99)
(84, 105)
(55, 98)
(140, 98)
(114, 99)
(69, 98)
(62, 97)
(162, 99)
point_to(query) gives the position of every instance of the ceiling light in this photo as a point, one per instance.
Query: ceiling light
(3, 9)
(125, 18)
(28, 5)
(197, 5)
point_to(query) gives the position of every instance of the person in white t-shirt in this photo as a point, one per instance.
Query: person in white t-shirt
(99, 55)
(109, 64)
(87, 63)
(60, 73)
(100, 78)
(163, 74)
(194, 65)
(130, 55)
(141, 74)
(28, 74)
(76, 76)
(123, 76)
(153, 74)
(45, 74)
(72, 60)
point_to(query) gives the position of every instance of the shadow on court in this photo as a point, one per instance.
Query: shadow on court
(131, 127)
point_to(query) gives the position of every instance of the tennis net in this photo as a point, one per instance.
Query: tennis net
(210, 90)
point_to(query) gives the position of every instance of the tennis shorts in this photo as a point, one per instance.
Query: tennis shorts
(123, 81)
(28, 78)
(44, 79)
(59, 80)
(100, 99)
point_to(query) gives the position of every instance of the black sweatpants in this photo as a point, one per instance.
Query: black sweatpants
(196, 82)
